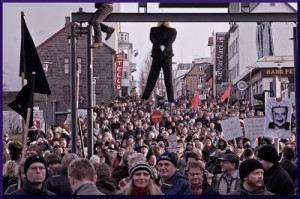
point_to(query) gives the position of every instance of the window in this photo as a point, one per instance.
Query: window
(124, 91)
(67, 65)
(201, 80)
(200, 68)
(125, 75)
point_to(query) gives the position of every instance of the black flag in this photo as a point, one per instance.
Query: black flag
(29, 64)
(24, 100)
(30, 61)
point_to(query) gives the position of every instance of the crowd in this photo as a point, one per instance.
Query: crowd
(131, 155)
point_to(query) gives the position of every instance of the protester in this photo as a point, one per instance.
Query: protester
(227, 181)
(19, 182)
(288, 155)
(251, 174)
(105, 183)
(276, 179)
(35, 170)
(197, 179)
(9, 174)
(60, 184)
(15, 151)
(169, 180)
(82, 177)
(141, 181)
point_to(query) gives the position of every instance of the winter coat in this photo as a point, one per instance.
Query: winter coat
(120, 172)
(176, 185)
(291, 168)
(87, 189)
(29, 190)
(240, 191)
(278, 181)
(60, 184)
(207, 190)
(107, 186)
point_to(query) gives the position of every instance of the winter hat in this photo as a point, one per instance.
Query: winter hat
(248, 166)
(141, 165)
(33, 159)
(168, 156)
(268, 153)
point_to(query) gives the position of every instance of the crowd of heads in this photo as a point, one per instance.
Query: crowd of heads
(130, 149)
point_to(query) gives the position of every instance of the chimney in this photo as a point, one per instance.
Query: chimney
(68, 20)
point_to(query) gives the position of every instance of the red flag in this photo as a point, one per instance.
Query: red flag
(195, 101)
(227, 93)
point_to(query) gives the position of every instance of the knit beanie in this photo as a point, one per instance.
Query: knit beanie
(168, 156)
(268, 153)
(141, 165)
(247, 166)
(33, 159)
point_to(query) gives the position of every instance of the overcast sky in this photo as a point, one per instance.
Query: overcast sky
(45, 19)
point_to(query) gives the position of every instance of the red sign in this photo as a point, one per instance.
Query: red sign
(156, 117)
(119, 69)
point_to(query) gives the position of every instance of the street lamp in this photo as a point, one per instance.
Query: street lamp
(250, 68)
(45, 68)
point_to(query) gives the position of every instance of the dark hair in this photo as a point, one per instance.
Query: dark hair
(190, 154)
(53, 158)
(288, 153)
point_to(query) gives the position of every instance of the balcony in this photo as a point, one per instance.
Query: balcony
(132, 67)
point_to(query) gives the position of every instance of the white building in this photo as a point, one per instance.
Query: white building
(254, 48)
(128, 81)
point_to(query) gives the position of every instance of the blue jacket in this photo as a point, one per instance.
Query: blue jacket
(176, 185)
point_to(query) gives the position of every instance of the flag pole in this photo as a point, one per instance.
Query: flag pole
(29, 109)
(22, 74)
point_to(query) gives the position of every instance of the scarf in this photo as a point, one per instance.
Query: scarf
(140, 191)
(197, 189)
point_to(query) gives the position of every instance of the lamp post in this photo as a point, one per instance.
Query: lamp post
(45, 68)
(250, 68)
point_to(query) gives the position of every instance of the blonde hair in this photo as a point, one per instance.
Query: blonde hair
(10, 169)
(153, 189)
(163, 23)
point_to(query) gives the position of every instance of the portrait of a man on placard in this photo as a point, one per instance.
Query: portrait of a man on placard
(278, 118)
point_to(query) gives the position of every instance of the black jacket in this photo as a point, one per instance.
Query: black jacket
(107, 186)
(278, 181)
(240, 191)
(60, 184)
(29, 190)
(162, 35)
(291, 168)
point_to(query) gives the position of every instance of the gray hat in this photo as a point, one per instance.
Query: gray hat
(231, 158)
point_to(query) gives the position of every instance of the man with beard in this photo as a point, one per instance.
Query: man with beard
(252, 179)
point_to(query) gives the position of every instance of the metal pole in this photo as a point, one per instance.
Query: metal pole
(73, 90)
(277, 91)
(90, 92)
(295, 37)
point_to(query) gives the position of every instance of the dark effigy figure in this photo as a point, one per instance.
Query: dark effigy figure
(162, 38)
(103, 10)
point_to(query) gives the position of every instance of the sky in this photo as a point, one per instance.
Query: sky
(45, 19)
